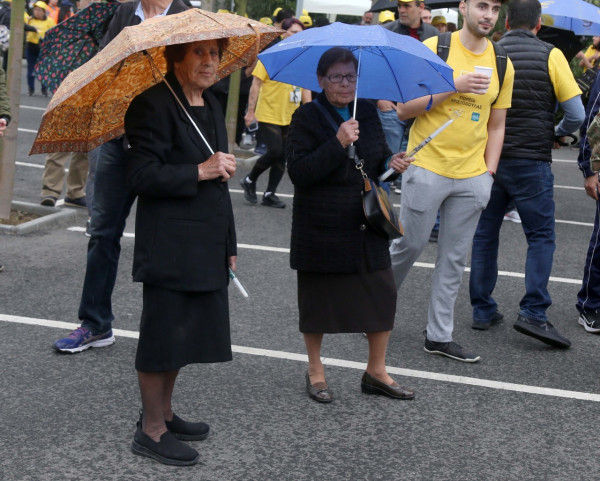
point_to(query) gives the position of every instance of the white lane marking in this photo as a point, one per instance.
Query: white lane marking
(29, 131)
(269, 353)
(426, 265)
(567, 161)
(27, 164)
(569, 187)
(31, 107)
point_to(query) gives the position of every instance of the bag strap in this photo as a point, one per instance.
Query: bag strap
(326, 114)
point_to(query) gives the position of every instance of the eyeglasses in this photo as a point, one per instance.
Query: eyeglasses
(338, 78)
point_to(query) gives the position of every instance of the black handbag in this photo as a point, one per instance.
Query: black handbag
(586, 80)
(377, 207)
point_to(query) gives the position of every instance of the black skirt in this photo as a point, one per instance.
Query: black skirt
(358, 302)
(180, 328)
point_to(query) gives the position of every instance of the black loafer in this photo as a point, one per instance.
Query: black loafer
(169, 450)
(320, 392)
(542, 331)
(371, 385)
(186, 430)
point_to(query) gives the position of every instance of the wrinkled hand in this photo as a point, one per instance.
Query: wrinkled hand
(400, 162)
(591, 186)
(2, 127)
(385, 105)
(348, 132)
(472, 83)
(233, 262)
(218, 165)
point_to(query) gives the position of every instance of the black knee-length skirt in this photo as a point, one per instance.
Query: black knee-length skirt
(180, 328)
(336, 303)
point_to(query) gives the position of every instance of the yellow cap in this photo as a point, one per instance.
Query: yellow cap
(306, 20)
(266, 20)
(222, 10)
(42, 5)
(276, 11)
(304, 11)
(386, 16)
(439, 20)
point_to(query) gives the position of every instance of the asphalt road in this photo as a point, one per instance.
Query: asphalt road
(525, 412)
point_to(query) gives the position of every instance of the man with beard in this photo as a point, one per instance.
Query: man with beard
(455, 172)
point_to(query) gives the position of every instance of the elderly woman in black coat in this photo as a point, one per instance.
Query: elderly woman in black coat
(185, 241)
(345, 281)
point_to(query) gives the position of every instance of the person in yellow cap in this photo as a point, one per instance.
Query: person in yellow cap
(41, 23)
(439, 22)
(276, 11)
(386, 16)
(306, 20)
(266, 20)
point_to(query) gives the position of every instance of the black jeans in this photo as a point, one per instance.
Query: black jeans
(274, 137)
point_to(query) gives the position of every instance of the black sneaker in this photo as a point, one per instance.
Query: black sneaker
(272, 200)
(542, 331)
(451, 350)
(590, 321)
(249, 190)
(483, 326)
(169, 450)
(76, 202)
(187, 431)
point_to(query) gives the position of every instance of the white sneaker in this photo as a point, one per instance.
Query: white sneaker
(513, 216)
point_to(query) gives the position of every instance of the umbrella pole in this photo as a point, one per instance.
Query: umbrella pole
(357, 80)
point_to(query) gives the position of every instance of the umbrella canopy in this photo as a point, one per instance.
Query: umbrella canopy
(564, 40)
(88, 109)
(72, 43)
(580, 17)
(392, 67)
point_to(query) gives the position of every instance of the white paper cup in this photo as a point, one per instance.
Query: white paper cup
(487, 71)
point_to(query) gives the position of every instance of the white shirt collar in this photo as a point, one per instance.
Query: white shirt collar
(139, 11)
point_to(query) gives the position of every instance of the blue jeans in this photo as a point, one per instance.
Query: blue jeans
(112, 203)
(393, 129)
(31, 53)
(531, 185)
(588, 297)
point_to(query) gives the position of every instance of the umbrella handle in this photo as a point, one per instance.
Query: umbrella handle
(154, 66)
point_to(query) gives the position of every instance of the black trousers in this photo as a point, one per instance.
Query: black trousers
(274, 137)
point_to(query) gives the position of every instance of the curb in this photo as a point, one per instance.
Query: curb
(51, 217)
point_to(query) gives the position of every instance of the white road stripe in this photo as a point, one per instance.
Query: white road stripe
(29, 131)
(269, 353)
(426, 265)
(31, 107)
(27, 164)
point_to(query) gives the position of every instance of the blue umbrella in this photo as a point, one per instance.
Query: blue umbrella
(582, 18)
(391, 66)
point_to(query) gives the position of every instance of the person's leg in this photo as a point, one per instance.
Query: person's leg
(378, 342)
(153, 389)
(271, 136)
(533, 191)
(588, 297)
(422, 194)
(484, 254)
(89, 184)
(112, 203)
(316, 371)
(77, 176)
(278, 166)
(460, 213)
(31, 56)
(54, 174)
(167, 406)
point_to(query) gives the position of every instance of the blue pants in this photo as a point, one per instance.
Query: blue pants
(112, 203)
(31, 54)
(531, 185)
(588, 297)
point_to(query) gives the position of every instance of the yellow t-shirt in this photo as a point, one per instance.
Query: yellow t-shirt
(590, 52)
(42, 27)
(565, 86)
(457, 152)
(276, 101)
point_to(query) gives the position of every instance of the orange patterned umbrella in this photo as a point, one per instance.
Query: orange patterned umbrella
(88, 109)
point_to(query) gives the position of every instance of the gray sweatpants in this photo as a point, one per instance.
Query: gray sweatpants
(460, 202)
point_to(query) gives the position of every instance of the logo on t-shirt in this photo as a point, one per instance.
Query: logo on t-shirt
(475, 117)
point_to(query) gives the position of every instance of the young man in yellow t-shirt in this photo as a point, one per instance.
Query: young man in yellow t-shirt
(524, 175)
(454, 173)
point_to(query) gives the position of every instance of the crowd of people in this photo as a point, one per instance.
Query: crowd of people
(497, 151)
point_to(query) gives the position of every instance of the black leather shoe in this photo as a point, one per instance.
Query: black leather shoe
(372, 385)
(320, 392)
(186, 430)
(541, 330)
(484, 326)
(169, 450)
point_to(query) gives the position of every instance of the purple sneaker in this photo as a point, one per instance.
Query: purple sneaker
(81, 339)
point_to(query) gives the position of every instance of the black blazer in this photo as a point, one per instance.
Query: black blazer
(125, 17)
(329, 230)
(184, 229)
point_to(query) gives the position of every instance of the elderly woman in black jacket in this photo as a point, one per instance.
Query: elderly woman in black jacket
(345, 282)
(185, 241)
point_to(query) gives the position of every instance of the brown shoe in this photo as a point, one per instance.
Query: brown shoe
(319, 391)
(371, 385)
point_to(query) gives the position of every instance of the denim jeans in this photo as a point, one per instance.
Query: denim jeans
(112, 203)
(31, 53)
(531, 185)
(588, 297)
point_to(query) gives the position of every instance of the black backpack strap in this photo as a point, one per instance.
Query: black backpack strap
(326, 114)
(501, 61)
(443, 47)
